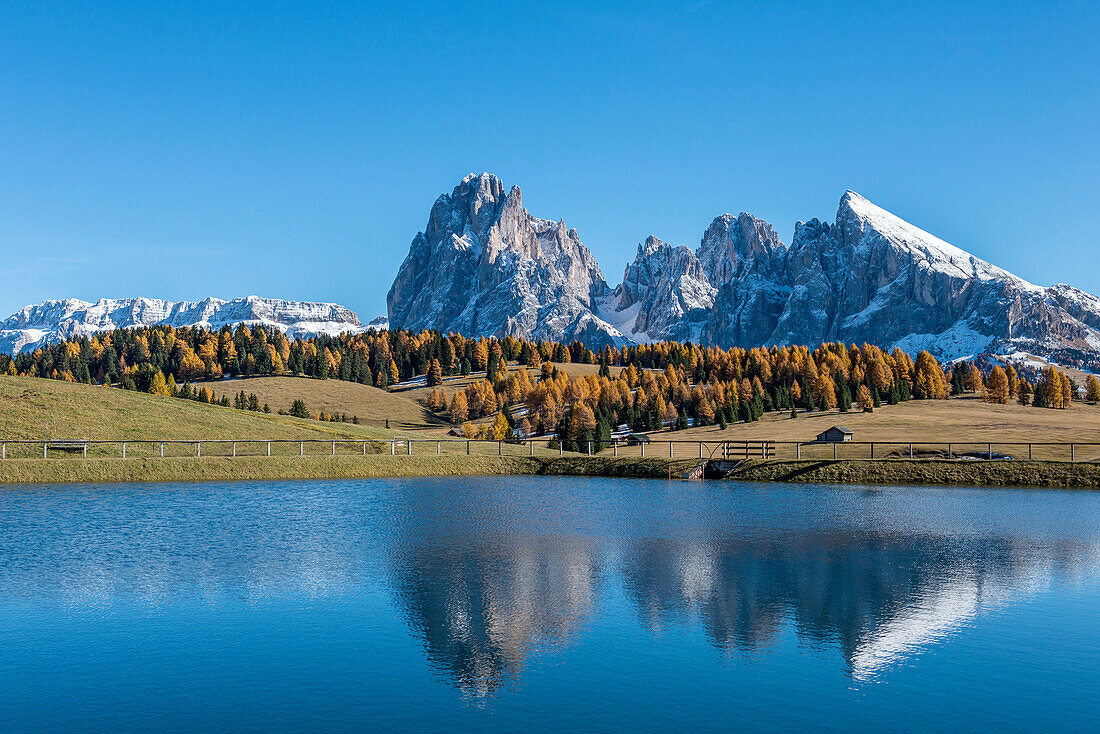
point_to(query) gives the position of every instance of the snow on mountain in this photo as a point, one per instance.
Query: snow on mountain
(660, 292)
(484, 266)
(52, 321)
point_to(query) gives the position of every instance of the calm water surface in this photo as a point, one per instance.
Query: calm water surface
(543, 604)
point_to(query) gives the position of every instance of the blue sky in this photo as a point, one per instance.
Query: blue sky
(181, 150)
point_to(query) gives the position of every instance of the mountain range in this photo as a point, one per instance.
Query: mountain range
(484, 266)
(52, 321)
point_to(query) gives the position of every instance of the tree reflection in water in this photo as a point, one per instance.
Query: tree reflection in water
(485, 592)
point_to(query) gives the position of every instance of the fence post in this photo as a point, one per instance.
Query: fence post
(364, 448)
(301, 448)
(590, 448)
(198, 448)
(670, 445)
(334, 448)
(530, 448)
(86, 449)
(234, 448)
(467, 447)
(798, 451)
(45, 449)
(700, 449)
(269, 448)
(872, 449)
(834, 450)
(409, 447)
(910, 451)
(162, 449)
(1029, 452)
(124, 449)
(950, 452)
(1071, 459)
(988, 451)
(393, 447)
(615, 443)
(4, 451)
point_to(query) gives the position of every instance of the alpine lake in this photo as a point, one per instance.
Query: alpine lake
(542, 604)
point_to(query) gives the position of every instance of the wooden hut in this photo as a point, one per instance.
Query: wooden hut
(836, 434)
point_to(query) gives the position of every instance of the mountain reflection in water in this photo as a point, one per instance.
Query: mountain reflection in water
(492, 573)
(485, 580)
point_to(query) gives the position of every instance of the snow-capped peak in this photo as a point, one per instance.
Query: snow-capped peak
(51, 321)
(936, 253)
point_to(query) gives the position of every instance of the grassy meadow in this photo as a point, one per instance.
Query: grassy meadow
(372, 406)
(33, 409)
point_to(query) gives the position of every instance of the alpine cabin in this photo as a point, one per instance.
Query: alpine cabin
(836, 434)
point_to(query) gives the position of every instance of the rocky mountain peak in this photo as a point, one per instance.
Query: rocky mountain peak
(733, 245)
(52, 321)
(485, 266)
(868, 276)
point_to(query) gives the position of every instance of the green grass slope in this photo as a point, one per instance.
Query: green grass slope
(31, 407)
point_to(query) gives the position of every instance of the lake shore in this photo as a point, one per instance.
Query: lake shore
(844, 471)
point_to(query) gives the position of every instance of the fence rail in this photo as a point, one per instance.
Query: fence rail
(542, 446)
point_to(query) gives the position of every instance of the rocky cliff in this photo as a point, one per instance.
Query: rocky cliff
(483, 265)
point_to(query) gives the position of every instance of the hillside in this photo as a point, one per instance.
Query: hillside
(30, 406)
(372, 406)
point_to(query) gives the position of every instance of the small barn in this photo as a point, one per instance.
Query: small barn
(836, 434)
(636, 439)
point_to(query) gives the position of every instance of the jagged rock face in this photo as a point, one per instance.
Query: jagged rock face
(744, 259)
(734, 247)
(664, 293)
(876, 278)
(52, 321)
(484, 266)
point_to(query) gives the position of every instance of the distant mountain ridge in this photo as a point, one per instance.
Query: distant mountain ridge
(484, 266)
(52, 321)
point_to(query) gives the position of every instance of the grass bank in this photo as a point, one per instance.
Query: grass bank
(61, 470)
(850, 471)
(904, 471)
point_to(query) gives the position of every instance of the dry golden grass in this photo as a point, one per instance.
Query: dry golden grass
(371, 405)
(968, 423)
(958, 419)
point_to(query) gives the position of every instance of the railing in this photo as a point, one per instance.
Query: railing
(543, 446)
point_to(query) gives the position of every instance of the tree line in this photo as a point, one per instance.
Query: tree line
(522, 388)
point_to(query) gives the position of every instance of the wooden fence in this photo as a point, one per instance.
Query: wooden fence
(678, 449)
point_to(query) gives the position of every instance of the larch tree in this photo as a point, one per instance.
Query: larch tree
(460, 409)
(997, 386)
(1092, 389)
